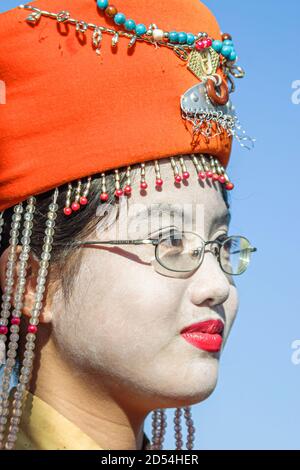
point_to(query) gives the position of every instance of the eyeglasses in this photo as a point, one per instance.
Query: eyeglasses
(183, 252)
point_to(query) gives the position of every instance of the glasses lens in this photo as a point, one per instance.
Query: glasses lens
(181, 252)
(235, 255)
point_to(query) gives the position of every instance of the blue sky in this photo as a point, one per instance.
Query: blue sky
(257, 404)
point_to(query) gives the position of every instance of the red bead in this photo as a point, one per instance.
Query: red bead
(75, 206)
(83, 201)
(202, 175)
(32, 329)
(215, 177)
(3, 330)
(209, 174)
(186, 175)
(200, 45)
(68, 211)
(159, 182)
(15, 321)
(144, 185)
(222, 179)
(127, 190)
(104, 197)
(229, 186)
(178, 179)
(205, 43)
(209, 42)
(119, 193)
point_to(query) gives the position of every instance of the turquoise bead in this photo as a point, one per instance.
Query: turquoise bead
(226, 51)
(119, 18)
(227, 42)
(129, 25)
(173, 37)
(190, 39)
(102, 4)
(233, 55)
(182, 38)
(217, 45)
(140, 29)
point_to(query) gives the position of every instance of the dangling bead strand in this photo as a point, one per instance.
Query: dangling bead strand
(128, 188)
(97, 39)
(104, 194)
(177, 176)
(84, 198)
(1, 224)
(159, 182)
(75, 205)
(190, 428)
(143, 184)
(208, 172)
(178, 429)
(199, 168)
(16, 314)
(224, 179)
(5, 309)
(215, 176)
(185, 173)
(68, 210)
(26, 368)
(118, 191)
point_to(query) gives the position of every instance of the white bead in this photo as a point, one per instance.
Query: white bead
(158, 34)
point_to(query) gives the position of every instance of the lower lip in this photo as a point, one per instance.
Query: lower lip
(205, 341)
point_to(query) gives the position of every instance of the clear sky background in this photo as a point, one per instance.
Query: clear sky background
(257, 402)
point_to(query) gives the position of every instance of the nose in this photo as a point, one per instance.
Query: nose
(209, 284)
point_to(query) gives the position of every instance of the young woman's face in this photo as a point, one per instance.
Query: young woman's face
(124, 320)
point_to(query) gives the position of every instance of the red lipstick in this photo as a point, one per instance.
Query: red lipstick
(206, 335)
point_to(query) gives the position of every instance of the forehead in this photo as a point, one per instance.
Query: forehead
(192, 202)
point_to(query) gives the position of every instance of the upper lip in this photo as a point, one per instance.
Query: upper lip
(210, 326)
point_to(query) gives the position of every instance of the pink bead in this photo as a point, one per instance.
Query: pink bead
(209, 42)
(186, 175)
(215, 177)
(229, 186)
(83, 201)
(119, 193)
(159, 182)
(178, 179)
(68, 211)
(144, 185)
(127, 190)
(75, 206)
(15, 321)
(199, 45)
(202, 175)
(104, 197)
(205, 43)
(209, 174)
(32, 329)
(222, 179)
(3, 330)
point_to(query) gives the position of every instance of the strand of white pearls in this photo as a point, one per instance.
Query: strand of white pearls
(190, 428)
(26, 369)
(5, 309)
(17, 311)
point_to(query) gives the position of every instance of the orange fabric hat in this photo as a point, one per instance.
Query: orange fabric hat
(70, 113)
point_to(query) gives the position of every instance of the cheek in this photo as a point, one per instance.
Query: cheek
(125, 316)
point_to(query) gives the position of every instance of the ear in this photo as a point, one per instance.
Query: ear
(30, 287)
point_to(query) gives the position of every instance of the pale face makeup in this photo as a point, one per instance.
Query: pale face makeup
(124, 319)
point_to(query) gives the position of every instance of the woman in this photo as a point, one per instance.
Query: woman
(117, 268)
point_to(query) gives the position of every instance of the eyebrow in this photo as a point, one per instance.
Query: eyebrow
(175, 209)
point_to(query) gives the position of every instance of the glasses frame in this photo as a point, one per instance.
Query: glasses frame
(156, 242)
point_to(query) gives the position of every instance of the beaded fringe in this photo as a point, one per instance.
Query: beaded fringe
(208, 168)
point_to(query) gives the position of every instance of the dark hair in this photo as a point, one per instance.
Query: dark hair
(80, 225)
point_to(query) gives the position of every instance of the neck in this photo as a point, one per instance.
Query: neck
(86, 399)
